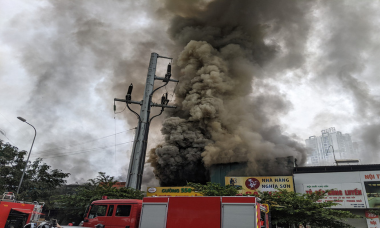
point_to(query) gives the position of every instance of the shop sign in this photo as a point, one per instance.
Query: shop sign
(252, 185)
(370, 176)
(171, 191)
(373, 223)
(348, 195)
(372, 220)
(370, 215)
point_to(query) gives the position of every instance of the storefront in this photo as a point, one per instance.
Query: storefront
(250, 185)
(355, 188)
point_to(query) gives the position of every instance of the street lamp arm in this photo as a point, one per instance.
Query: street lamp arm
(27, 160)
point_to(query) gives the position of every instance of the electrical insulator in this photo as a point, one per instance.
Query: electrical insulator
(163, 100)
(129, 94)
(168, 73)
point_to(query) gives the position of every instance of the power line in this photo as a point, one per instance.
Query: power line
(5, 135)
(65, 148)
(67, 151)
(86, 151)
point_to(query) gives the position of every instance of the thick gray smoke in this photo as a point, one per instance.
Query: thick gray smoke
(78, 57)
(232, 59)
(226, 111)
(348, 63)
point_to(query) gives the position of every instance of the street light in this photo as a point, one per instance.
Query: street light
(333, 154)
(26, 164)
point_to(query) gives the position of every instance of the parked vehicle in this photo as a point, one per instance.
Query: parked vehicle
(16, 214)
(174, 212)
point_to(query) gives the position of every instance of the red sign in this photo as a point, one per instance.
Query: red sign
(252, 183)
(370, 215)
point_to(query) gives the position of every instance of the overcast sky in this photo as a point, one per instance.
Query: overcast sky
(62, 76)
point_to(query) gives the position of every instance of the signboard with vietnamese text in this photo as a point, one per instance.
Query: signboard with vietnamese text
(373, 223)
(171, 191)
(348, 195)
(251, 185)
(372, 220)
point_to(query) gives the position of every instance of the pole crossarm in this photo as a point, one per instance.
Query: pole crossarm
(129, 102)
(162, 79)
(163, 57)
(163, 106)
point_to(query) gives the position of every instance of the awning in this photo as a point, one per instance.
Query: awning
(26, 211)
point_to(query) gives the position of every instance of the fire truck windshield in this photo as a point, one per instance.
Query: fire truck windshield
(97, 210)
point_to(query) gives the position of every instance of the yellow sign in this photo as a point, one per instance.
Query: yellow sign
(251, 185)
(171, 191)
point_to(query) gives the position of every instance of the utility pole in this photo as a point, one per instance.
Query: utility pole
(137, 161)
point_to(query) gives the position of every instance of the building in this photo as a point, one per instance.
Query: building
(331, 142)
(355, 187)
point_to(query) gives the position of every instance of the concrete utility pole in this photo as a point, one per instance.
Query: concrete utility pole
(136, 165)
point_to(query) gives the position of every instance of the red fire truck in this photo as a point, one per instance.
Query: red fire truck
(174, 212)
(17, 214)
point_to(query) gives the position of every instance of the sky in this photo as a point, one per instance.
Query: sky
(62, 64)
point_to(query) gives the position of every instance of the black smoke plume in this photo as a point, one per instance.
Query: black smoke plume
(226, 112)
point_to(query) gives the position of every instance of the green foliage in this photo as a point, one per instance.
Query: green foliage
(75, 204)
(39, 180)
(214, 189)
(375, 211)
(295, 208)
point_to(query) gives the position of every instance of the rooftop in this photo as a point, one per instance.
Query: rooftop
(339, 168)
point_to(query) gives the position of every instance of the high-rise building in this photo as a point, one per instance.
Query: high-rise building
(331, 142)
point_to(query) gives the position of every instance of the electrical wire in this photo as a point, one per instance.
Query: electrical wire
(85, 151)
(122, 110)
(65, 148)
(174, 89)
(5, 135)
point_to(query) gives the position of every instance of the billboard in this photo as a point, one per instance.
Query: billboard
(250, 185)
(351, 189)
(372, 220)
(171, 191)
(348, 195)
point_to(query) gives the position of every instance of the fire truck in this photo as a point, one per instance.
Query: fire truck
(16, 214)
(174, 212)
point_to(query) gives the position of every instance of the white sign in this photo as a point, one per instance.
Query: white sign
(370, 176)
(152, 190)
(373, 223)
(348, 195)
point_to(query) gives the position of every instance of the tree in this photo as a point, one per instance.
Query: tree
(304, 209)
(39, 180)
(75, 204)
(214, 189)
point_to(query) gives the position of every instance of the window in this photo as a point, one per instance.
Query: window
(97, 210)
(123, 210)
(110, 210)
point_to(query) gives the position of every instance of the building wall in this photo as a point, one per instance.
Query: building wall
(218, 172)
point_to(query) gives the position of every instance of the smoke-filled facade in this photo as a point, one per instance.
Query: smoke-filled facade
(225, 112)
